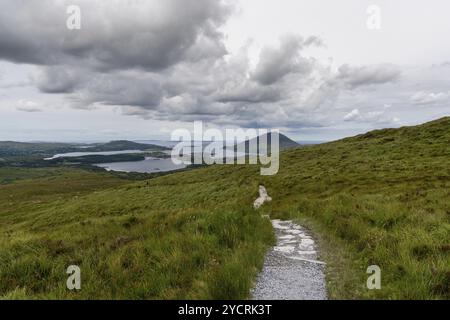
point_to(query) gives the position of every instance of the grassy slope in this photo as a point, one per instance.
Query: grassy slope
(185, 235)
(381, 198)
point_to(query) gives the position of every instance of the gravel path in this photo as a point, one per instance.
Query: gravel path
(291, 270)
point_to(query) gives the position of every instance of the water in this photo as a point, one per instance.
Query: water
(81, 154)
(149, 165)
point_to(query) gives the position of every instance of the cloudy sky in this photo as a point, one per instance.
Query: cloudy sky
(138, 69)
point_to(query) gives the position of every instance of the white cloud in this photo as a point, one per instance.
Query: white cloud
(373, 117)
(423, 97)
(352, 115)
(28, 106)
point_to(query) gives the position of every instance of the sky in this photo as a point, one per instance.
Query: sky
(138, 70)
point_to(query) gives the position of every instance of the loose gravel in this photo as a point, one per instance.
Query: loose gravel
(291, 270)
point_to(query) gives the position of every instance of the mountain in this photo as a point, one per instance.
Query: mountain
(381, 198)
(284, 142)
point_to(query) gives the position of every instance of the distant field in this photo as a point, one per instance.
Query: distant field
(380, 198)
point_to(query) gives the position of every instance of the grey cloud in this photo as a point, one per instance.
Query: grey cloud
(15, 85)
(167, 60)
(367, 75)
(152, 35)
(252, 94)
(224, 93)
(276, 63)
(121, 90)
(28, 109)
(57, 79)
(157, 61)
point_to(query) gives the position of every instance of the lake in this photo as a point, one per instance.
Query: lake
(81, 154)
(149, 165)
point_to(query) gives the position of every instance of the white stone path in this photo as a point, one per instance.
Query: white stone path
(291, 269)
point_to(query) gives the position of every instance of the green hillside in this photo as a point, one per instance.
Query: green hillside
(123, 145)
(380, 198)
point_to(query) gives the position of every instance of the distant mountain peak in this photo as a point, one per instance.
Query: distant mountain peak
(284, 141)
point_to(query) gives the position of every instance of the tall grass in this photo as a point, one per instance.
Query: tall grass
(181, 236)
